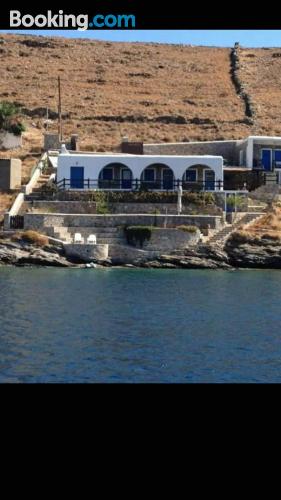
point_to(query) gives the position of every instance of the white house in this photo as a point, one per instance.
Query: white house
(116, 171)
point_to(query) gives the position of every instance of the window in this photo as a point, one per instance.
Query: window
(190, 175)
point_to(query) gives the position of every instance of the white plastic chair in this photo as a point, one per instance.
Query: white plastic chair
(92, 239)
(78, 238)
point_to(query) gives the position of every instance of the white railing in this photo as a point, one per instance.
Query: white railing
(15, 208)
(35, 175)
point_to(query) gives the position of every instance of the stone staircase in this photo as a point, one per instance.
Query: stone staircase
(104, 235)
(220, 237)
(36, 191)
(256, 205)
(270, 178)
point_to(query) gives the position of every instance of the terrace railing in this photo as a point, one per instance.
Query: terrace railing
(258, 165)
(139, 185)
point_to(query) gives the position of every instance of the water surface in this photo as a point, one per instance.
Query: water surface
(128, 325)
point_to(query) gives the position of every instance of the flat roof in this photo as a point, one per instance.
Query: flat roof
(125, 155)
(235, 169)
(264, 137)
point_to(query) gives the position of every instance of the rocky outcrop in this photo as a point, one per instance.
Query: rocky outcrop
(41, 113)
(201, 257)
(40, 44)
(23, 254)
(255, 253)
(258, 253)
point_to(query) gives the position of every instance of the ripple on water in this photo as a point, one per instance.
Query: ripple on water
(120, 325)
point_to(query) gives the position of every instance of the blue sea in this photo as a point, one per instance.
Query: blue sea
(139, 325)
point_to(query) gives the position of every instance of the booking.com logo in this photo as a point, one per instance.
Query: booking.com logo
(80, 22)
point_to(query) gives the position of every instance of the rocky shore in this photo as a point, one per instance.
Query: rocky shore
(264, 253)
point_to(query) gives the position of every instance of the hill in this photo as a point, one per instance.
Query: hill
(150, 92)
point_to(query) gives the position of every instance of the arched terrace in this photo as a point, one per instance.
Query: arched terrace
(115, 176)
(157, 176)
(199, 178)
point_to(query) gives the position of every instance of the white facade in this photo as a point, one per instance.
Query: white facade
(94, 163)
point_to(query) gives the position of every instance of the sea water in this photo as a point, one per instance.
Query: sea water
(137, 325)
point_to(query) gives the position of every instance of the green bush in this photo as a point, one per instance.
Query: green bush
(101, 202)
(137, 234)
(16, 128)
(188, 229)
(142, 196)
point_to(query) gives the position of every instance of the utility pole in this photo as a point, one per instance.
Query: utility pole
(47, 118)
(59, 111)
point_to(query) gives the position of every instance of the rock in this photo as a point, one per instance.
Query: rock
(20, 254)
(255, 253)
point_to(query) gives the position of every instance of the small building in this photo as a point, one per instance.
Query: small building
(53, 142)
(254, 152)
(116, 171)
(10, 173)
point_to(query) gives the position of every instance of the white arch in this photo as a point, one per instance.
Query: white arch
(121, 164)
(156, 164)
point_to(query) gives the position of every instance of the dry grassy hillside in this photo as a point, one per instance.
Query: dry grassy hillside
(260, 71)
(151, 92)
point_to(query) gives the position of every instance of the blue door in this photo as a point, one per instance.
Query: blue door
(149, 175)
(277, 158)
(266, 159)
(126, 181)
(107, 176)
(149, 178)
(168, 179)
(209, 180)
(77, 177)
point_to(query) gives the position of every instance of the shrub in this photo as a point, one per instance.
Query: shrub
(240, 237)
(101, 202)
(35, 238)
(9, 118)
(235, 201)
(16, 128)
(137, 234)
(188, 229)
(273, 237)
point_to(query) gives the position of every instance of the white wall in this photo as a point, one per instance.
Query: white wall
(10, 141)
(93, 164)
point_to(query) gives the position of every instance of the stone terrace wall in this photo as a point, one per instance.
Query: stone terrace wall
(162, 208)
(167, 240)
(60, 207)
(41, 222)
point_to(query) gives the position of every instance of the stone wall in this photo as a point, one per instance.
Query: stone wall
(86, 253)
(227, 149)
(40, 222)
(162, 208)
(161, 241)
(120, 254)
(60, 207)
(166, 240)
(52, 142)
(239, 85)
